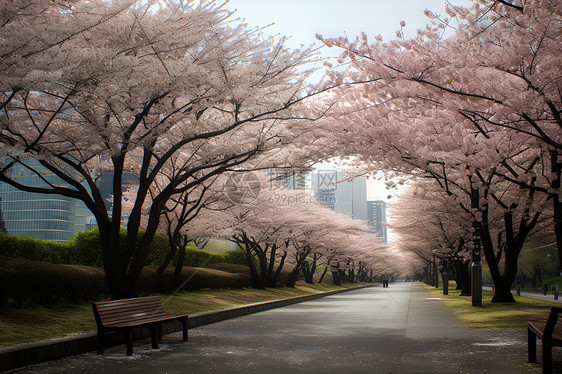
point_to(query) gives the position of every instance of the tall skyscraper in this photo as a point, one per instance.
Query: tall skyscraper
(348, 197)
(377, 218)
(351, 198)
(324, 187)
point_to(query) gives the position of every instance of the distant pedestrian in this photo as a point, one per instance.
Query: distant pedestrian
(545, 288)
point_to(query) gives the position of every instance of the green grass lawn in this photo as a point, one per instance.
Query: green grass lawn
(494, 315)
(33, 323)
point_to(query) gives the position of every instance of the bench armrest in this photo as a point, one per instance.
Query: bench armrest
(551, 322)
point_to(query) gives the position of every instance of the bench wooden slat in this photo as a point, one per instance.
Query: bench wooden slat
(126, 314)
(142, 322)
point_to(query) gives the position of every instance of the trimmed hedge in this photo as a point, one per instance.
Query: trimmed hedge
(35, 249)
(231, 268)
(192, 278)
(85, 249)
(243, 269)
(25, 281)
(198, 257)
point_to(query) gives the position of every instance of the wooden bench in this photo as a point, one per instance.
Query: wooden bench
(550, 335)
(126, 314)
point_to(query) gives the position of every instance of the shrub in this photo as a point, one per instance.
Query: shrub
(23, 281)
(86, 248)
(237, 257)
(231, 268)
(159, 248)
(199, 257)
(83, 249)
(191, 278)
(34, 249)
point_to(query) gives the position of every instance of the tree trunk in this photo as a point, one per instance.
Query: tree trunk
(169, 256)
(308, 270)
(556, 170)
(115, 266)
(293, 277)
(262, 260)
(323, 274)
(464, 277)
(179, 263)
(253, 272)
(351, 276)
(342, 276)
(307, 273)
(513, 245)
(502, 293)
(435, 274)
(118, 283)
(445, 276)
(246, 245)
(456, 277)
(335, 276)
(270, 281)
(275, 279)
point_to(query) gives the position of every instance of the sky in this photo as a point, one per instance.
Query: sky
(301, 20)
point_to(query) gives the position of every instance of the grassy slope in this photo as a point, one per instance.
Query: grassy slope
(494, 315)
(33, 323)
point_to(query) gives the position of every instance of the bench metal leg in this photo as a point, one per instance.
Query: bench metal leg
(531, 346)
(154, 335)
(546, 358)
(129, 341)
(160, 328)
(100, 342)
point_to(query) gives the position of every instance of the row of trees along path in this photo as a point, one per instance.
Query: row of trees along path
(177, 95)
(473, 103)
(172, 93)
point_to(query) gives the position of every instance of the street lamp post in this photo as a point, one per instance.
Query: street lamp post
(476, 275)
(476, 267)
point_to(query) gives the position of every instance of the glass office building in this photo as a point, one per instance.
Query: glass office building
(377, 218)
(40, 216)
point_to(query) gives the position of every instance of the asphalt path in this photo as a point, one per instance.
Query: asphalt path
(400, 329)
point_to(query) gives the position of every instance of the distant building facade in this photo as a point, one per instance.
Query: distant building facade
(342, 196)
(40, 216)
(377, 218)
(347, 197)
(351, 198)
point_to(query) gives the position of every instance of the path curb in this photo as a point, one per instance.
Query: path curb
(33, 353)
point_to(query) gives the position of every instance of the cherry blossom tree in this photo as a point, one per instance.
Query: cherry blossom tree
(273, 230)
(473, 110)
(290, 231)
(431, 225)
(134, 87)
(176, 216)
(335, 238)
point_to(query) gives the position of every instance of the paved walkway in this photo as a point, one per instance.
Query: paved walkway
(400, 329)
